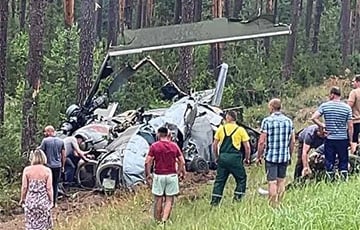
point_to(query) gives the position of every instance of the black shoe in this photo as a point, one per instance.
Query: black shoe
(330, 177)
(344, 175)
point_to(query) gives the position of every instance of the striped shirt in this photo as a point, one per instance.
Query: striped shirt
(336, 115)
(278, 128)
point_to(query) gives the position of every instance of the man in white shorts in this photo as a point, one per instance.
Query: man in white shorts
(165, 181)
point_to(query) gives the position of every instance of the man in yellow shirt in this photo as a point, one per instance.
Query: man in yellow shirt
(231, 138)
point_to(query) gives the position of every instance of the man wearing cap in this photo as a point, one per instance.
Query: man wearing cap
(310, 137)
(234, 143)
(354, 102)
(339, 127)
(278, 138)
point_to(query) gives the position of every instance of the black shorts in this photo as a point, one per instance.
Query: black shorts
(356, 132)
(275, 171)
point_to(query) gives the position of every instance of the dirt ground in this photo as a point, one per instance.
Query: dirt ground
(80, 202)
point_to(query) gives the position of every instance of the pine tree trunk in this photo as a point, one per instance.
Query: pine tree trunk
(238, 5)
(99, 18)
(186, 53)
(69, 12)
(291, 46)
(178, 10)
(128, 13)
(197, 10)
(226, 8)
(113, 22)
(33, 73)
(308, 19)
(150, 4)
(13, 8)
(319, 10)
(269, 10)
(22, 13)
(216, 49)
(139, 14)
(4, 15)
(345, 31)
(357, 27)
(87, 34)
(121, 15)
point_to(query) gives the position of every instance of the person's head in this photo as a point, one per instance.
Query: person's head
(79, 138)
(163, 133)
(321, 132)
(38, 157)
(355, 83)
(335, 93)
(230, 116)
(49, 131)
(274, 105)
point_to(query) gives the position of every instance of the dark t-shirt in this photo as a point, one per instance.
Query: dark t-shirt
(70, 143)
(52, 147)
(165, 154)
(309, 137)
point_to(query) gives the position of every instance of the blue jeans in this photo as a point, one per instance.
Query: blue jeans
(70, 168)
(339, 147)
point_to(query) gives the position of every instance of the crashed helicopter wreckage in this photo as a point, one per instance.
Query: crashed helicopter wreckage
(120, 142)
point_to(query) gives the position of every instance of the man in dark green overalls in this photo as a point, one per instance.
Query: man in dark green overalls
(230, 136)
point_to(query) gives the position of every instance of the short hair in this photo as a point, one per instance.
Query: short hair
(357, 77)
(49, 128)
(163, 131)
(335, 90)
(275, 103)
(38, 157)
(232, 114)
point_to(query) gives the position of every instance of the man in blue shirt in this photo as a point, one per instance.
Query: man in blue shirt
(339, 127)
(277, 135)
(54, 150)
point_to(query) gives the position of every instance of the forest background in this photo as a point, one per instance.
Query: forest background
(51, 51)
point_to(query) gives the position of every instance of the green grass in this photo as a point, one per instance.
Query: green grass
(320, 206)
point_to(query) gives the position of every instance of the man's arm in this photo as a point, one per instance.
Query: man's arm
(304, 155)
(63, 156)
(350, 130)
(216, 148)
(292, 143)
(247, 150)
(315, 118)
(351, 99)
(149, 161)
(42, 146)
(262, 139)
(261, 145)
(181, 166)
(78, 151)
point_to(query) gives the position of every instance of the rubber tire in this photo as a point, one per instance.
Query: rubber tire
(85, 174)
(199, 165)
(119, 181)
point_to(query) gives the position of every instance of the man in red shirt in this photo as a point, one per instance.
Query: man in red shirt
(165, 182)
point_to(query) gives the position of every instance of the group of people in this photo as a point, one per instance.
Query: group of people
(165, 164)
(338, 132)
(40, 181)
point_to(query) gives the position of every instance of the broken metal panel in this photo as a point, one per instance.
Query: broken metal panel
(198, 33)
(220, 85)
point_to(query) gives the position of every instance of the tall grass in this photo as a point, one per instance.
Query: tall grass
(320, 206)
